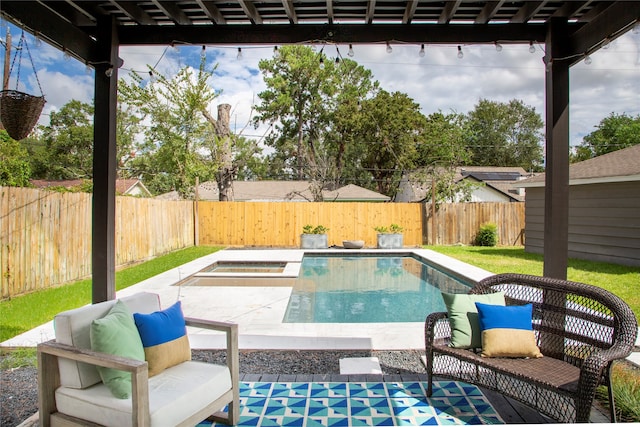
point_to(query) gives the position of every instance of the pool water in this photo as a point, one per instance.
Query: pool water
(367, 289)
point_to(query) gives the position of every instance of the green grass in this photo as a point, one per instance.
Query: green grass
(618, 279)
(25, 312)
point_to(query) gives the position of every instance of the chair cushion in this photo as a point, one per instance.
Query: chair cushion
(507, 331)
(164, 336)
(72, 328)
(174, 395)
(116, 334)
(463, 317)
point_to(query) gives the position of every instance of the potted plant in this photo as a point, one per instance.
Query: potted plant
(389, 237)
(314, 237)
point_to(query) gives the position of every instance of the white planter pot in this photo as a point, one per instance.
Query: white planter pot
(314, 241)
(390, 241)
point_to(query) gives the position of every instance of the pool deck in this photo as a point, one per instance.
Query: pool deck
(259, 310)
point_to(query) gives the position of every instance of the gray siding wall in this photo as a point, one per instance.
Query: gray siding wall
(604, 222)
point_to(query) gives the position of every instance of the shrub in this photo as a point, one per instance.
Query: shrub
(487, 235)
(318, 229)
(392, 229)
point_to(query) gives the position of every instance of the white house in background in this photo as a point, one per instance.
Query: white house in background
(494, 184)
(282, 191)
(124, 187)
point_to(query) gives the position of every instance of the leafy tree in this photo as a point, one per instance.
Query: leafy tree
(15, 169)
(614, 132)
(392, 126)
(179, 140)
(69, 142)
(440, 154)
(505, 134)
(298, 99)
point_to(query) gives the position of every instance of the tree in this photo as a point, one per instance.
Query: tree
(298, 99)
(440, 154)
(614, 132)
(179, 142)
(391, 126)
(15, 169)
(505, 134)
(69, 142)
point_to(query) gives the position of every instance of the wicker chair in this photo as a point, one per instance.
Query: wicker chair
(580, 330)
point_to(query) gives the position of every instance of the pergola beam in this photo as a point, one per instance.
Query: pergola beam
(356, 33)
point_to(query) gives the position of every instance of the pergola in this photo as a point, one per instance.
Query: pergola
(93, 31)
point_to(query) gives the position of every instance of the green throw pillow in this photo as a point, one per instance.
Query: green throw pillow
(116, 334)
(463, 317)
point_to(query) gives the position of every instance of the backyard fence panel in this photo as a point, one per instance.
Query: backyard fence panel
(459, 222)
(45, 236)
(279, 224)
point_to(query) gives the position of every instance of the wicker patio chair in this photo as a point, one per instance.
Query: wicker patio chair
(580, 330)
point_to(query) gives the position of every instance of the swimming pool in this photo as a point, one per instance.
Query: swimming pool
(367, 289)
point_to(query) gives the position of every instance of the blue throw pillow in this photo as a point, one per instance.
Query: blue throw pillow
(507, 331)
(164, 338)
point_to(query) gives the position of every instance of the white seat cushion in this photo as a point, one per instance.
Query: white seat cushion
(174, 395)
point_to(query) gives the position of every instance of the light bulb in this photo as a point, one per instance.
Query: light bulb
(498, 47)
(175, 47)
(422, 52)
(203, 52)
(350, 53)
(532, 48)
(275, 49)
(321, 63)
(587, 60)
(152, 77)
(606, 43)
(239, 56)
(460, 53)
(109, 72)
(38, 40)
(66, 55)
(389, 48)
(337, 60)
(88, 69)
(636, 27)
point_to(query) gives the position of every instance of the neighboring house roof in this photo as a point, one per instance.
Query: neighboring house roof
(292, 191)
(499, 179)
(617, 166)
(125, 187)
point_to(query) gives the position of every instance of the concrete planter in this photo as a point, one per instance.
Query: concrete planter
(390, 241)
(314, 241)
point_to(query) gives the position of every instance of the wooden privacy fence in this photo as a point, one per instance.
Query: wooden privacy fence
(460, 222)
(46, 236)
(280, 224)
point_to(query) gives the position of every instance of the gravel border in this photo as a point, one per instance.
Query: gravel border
(19, 386)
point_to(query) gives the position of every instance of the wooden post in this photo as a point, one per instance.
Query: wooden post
(433, 210)
(104, 162)
(556, 194)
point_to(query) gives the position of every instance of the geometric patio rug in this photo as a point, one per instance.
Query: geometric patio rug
(322, 404)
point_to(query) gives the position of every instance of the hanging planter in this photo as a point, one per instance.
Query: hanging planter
(19, 111)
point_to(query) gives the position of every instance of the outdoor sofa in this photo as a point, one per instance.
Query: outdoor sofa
(579, 329)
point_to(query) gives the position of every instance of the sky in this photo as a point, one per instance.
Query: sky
(437, 81)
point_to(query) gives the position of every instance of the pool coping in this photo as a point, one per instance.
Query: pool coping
(259, 310)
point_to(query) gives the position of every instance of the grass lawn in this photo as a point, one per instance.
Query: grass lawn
(620, 280)
(19, 314)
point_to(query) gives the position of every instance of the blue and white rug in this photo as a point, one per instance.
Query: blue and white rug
(338, 404)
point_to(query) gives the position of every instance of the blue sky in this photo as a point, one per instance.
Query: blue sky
(439, 81)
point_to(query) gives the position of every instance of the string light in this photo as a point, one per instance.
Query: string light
(239, 56)
(606, 43)
(460, 53)
(88, 69)
(636, 27)
(175, 47)
(152, 77)
(109, 72)
(422, 52)
(203, 52)
(38, 39)
(66, 55)
(587, 59)
(498, 47)
(532, 48)
(389, 48)
(275, 49)
(337, 60)
(350, 53)
(321, 62)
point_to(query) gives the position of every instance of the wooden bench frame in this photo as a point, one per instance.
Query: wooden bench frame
(580, 329)
(49, 380)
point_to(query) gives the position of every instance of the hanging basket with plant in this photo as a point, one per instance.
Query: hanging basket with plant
(19, 111)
